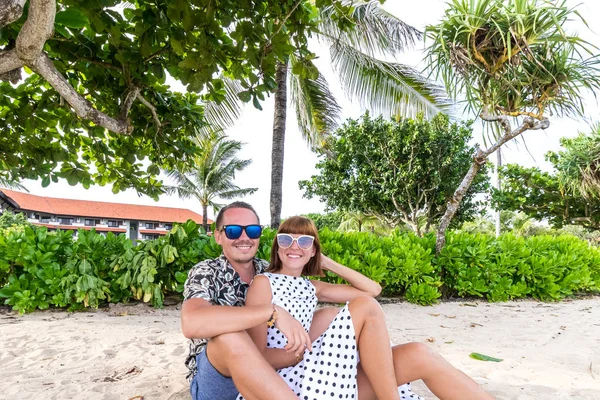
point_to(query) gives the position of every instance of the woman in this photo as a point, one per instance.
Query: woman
(330, 368)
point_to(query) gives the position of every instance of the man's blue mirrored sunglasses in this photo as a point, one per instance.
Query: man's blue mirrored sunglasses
(235, 231)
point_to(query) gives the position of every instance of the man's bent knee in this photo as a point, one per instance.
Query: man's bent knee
(226, 348)
(232, 344)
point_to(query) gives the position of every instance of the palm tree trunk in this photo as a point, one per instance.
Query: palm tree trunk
(205, 217)
(278, 144)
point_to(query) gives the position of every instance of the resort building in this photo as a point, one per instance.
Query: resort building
(136, 221)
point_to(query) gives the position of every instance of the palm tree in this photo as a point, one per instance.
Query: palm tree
(212, 174)
(383, 86)
(10, 184)
(513, 62)
(357, 221)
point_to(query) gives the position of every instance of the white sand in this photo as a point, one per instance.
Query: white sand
(550, 350)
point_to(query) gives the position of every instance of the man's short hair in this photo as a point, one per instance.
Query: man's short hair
(235, 204)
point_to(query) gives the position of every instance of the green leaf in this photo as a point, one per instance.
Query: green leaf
(483, 357)
(256, 103)
(177, 46)
(63, 31)
(244, 96)
(72, 18)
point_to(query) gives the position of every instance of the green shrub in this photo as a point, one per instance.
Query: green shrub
(545, 267)
(41, 269)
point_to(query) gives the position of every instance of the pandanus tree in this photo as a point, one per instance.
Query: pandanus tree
(359, 46)
(515, 66)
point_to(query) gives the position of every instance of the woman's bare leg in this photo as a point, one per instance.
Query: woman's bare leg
(414, 361)
(321, 320)
(374, 346)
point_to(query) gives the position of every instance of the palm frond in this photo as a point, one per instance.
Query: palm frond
(10, 184)
(317, 111)
(386, 87)
(375, 32)
(223, 114)
(212, 175)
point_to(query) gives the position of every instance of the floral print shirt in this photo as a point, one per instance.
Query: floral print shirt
(218, 283)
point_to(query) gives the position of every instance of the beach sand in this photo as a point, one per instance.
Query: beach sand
(549, 350)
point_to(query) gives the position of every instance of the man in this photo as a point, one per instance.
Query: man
(228, 361)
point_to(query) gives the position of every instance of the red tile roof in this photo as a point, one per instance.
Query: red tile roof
(99, 209)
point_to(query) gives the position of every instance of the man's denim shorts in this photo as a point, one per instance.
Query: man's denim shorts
(209, 384)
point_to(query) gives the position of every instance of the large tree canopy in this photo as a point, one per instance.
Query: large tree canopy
(93, 102)
(578, 164)
(569, 195)
(541, 196)
(404, 170)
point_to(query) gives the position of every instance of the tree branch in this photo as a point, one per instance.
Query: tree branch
(528, 124)
(101, 63)
(158, 53)
(44, 67)
(10, 11)
(9, 61)
(36, 30)
(152, 110)
(128, 102)
(285, 19)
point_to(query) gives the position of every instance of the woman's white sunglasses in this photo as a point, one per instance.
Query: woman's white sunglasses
(285, 241)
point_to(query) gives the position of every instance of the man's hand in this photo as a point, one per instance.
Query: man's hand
(297, 338)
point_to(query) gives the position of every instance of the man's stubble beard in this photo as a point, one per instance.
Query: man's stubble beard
(242, 259)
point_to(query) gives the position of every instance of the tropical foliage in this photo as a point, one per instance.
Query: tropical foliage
(330, 220)
(578, 164)
(211, 177)
(93, 102)
(41, 269)
(402, 171)
(514, 62)
(8, 219)
(360, 49)
(541, 196)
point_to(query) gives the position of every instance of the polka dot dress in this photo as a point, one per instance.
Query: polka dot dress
(329, 371)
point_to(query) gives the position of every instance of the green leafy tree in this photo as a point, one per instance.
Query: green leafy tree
(330, 220)
(8, 219)
(212, 174)
(578, 164)
(402, 171)
(541, 196)
(358, 46)
(93, 103)
(514, 62)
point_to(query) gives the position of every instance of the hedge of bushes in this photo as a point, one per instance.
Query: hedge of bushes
(41, 269)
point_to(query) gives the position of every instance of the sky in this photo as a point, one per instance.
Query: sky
(254, 128)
